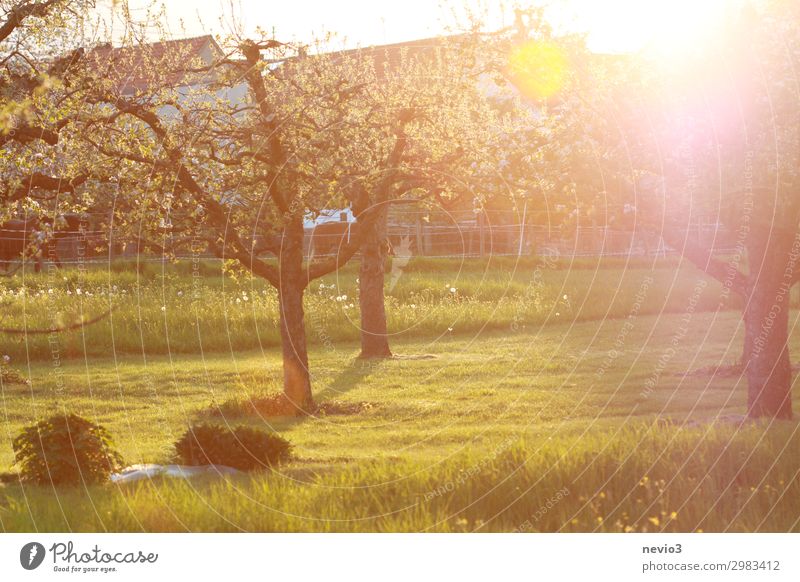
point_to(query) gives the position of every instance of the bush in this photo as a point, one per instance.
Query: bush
(65, 450)
(241, 448)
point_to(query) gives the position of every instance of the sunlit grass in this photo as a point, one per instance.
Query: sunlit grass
(479, 437)
(164, 310)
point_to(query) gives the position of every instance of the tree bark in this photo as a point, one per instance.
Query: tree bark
(296, 377)
(372, 269)
(766, 319)
(291, 290)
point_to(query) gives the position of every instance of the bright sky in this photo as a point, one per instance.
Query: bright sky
(613, 25)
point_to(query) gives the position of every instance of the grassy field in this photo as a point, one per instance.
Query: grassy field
(588, 420)
(191, 309)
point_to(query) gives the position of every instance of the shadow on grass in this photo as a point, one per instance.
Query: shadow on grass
(262, 408)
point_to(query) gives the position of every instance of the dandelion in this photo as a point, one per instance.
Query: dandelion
(673, 515)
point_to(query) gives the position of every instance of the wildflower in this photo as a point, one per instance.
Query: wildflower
(351, 305)
(654, 520)
(449, 329)
(673, 515)
(50, 291)
(565, 297)
(78, 291)
(413, 306)
(452, 289)
(180, 293)
(163, 308)
(6, 359)
(238, 300)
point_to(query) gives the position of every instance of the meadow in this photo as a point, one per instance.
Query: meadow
(552, 397)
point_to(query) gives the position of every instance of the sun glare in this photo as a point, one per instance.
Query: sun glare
(664, 29)
(538, 69)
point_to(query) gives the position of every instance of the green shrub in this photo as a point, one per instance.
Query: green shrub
(65, 450)
(241, 448)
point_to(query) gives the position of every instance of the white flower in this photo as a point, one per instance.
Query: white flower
(180, 293)
(50, 291)
(449, 329)
(78, 291)
(452, 289)
(238, 300)
(69, 292)
(344, 297)
(163, 308)
(6, 358)
(351, 305)
(565, 296)
(413, 306)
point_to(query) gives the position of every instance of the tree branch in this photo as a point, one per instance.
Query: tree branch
(703, 259)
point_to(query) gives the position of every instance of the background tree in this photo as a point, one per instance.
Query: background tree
(717, 140)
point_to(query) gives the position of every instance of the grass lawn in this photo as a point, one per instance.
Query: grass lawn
(584, 426)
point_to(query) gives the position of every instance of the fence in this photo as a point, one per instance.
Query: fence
(453, 240)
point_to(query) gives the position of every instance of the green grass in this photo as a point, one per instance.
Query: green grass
(482, 437)
(165, 309)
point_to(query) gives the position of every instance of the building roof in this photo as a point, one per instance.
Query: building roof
(132, 67)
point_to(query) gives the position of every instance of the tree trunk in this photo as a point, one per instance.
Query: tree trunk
(766, 318)
(291, 289)
(374, 330)
(296, 377)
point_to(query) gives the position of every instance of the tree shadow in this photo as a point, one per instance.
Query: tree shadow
(349, 378)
